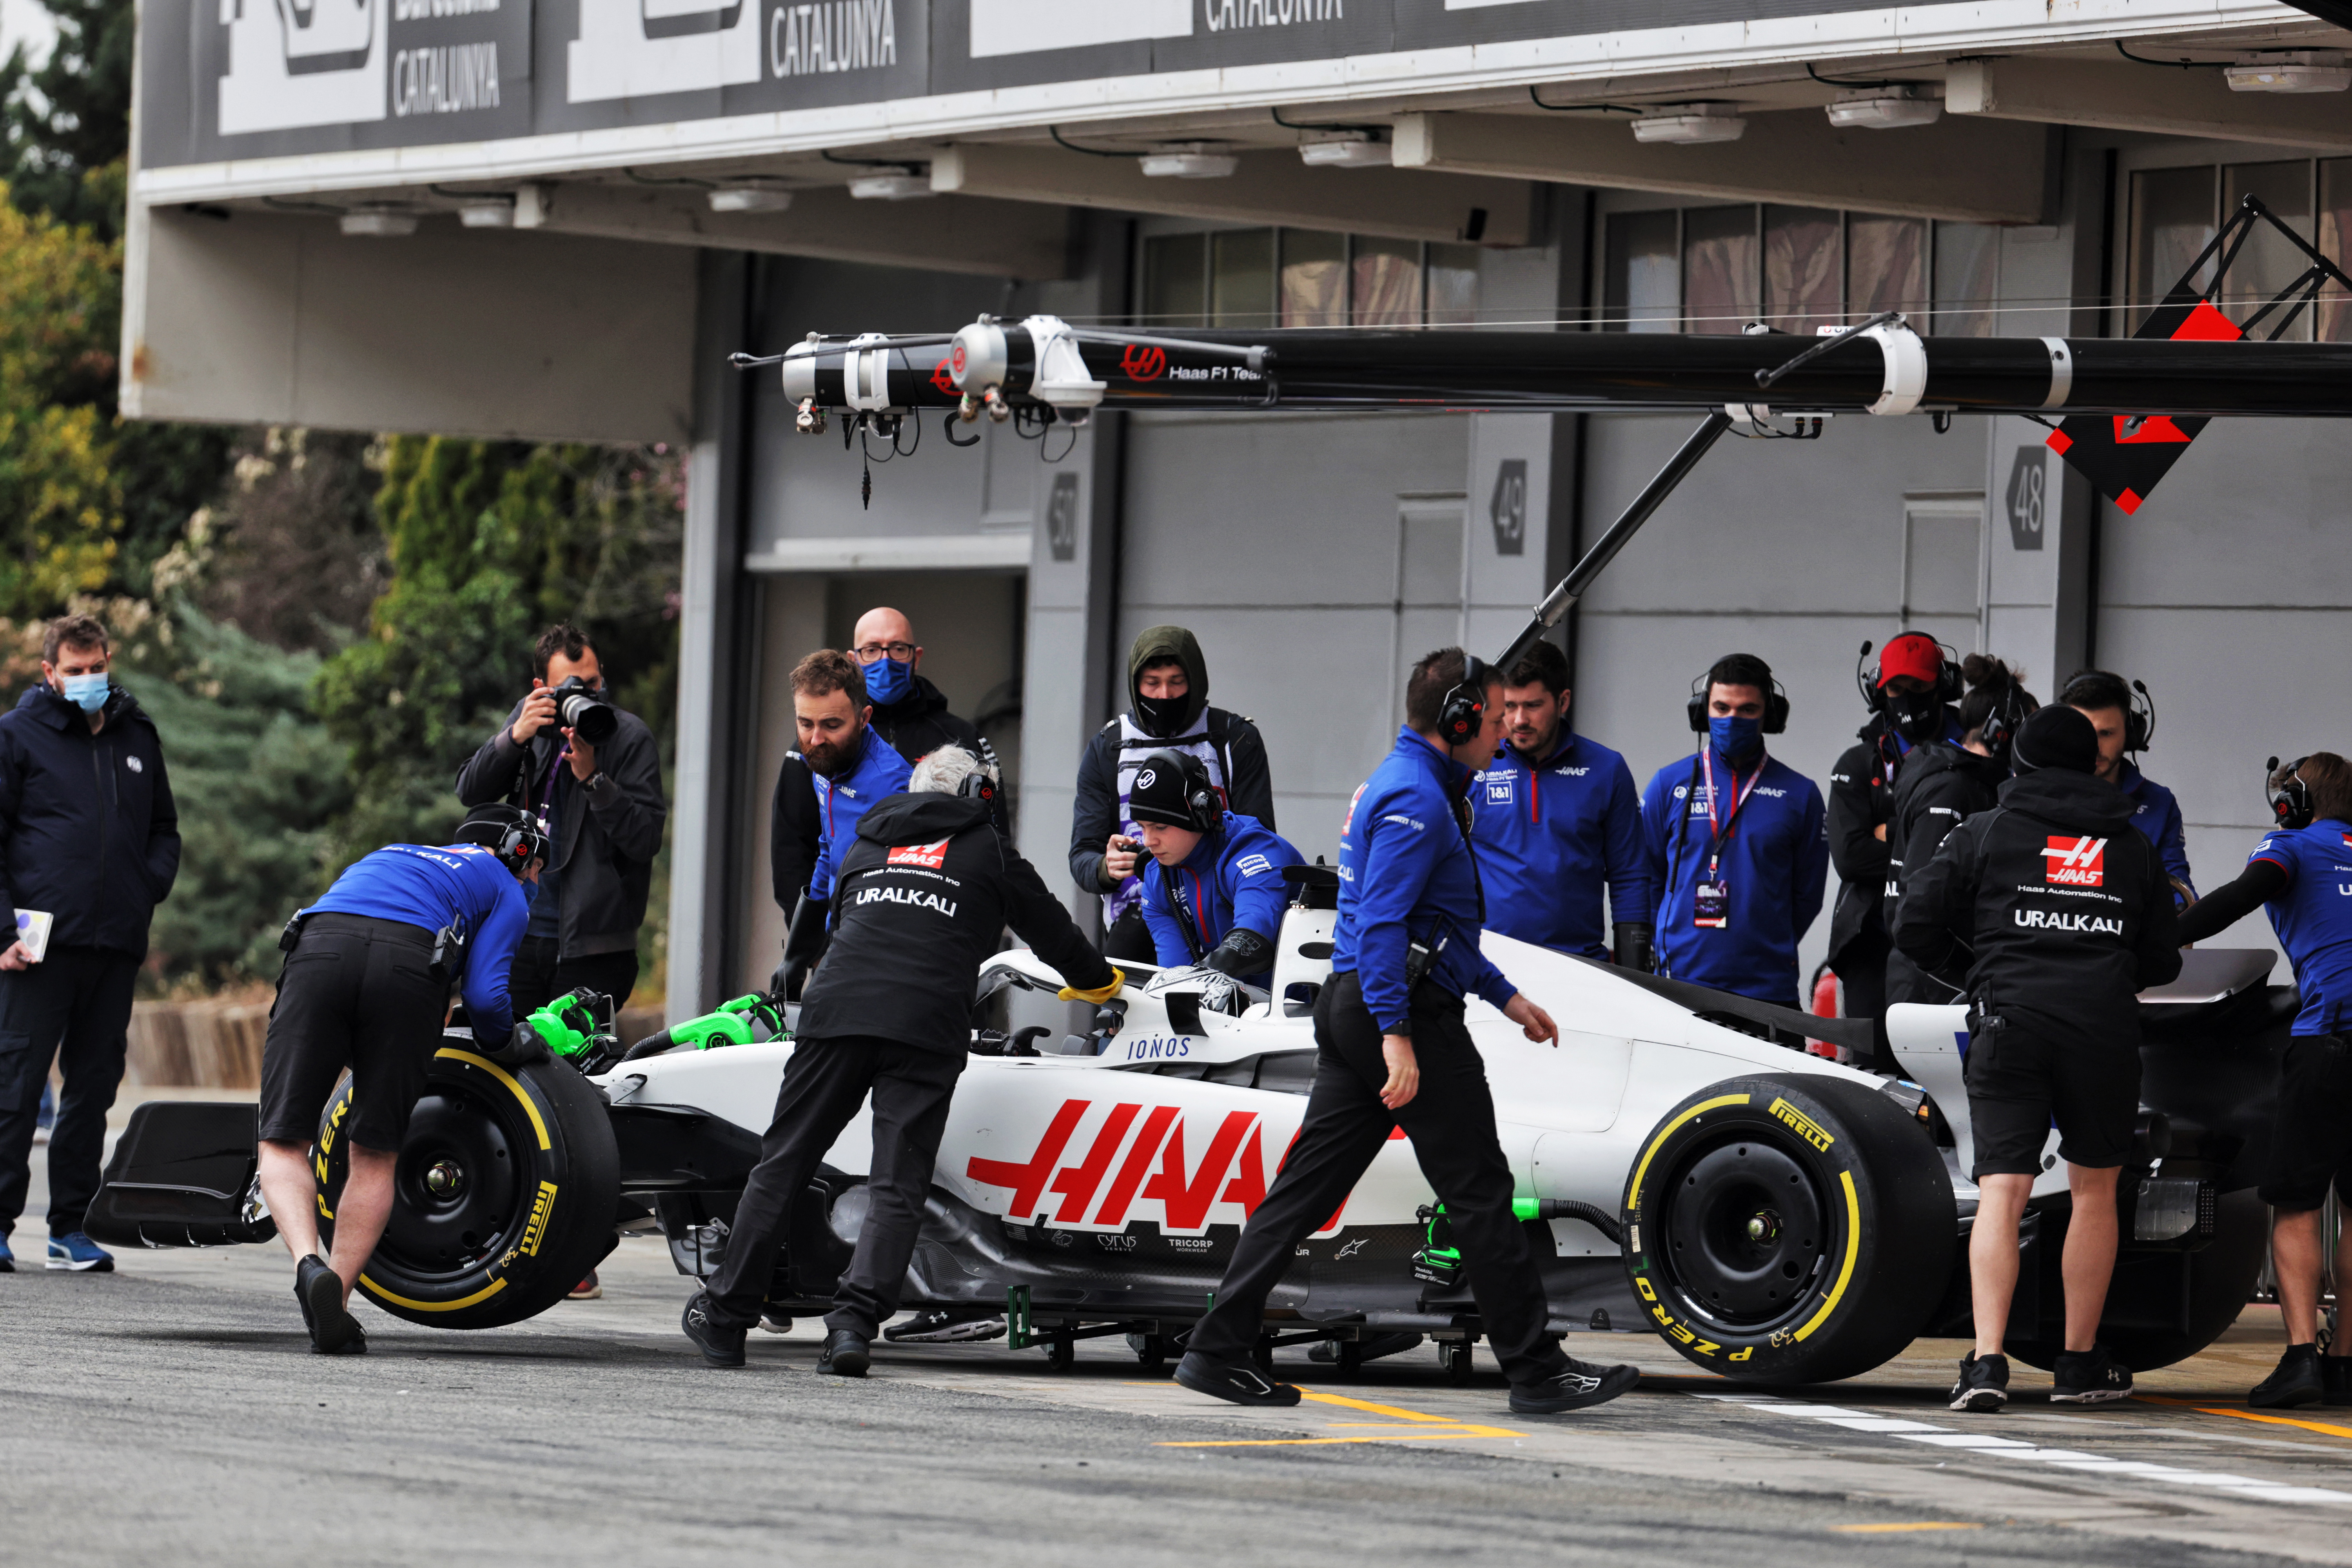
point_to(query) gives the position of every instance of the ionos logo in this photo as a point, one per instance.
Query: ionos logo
(932, 855)
(2076, 862)
(536, 1231)
(1806, 1127)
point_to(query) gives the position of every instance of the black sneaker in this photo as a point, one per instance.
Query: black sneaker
(2295, 1382)
(2089, 1377)
(1573, 1387)
(947, 1325)
(1234, 1382)
(845, 1354)
(1983, 1387)
(333, 1330)
(722, 1344)
(2336, 1379)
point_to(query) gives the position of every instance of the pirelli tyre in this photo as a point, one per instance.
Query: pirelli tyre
(1784, 1229)
(503, 1198)
(2148, 1287)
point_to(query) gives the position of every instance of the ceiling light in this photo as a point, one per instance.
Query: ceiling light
(1345, 150)
(2289, 70)
(890, 185)
(487, 212)
(1689, 125)
(1189, 161)
(1886, 108)
(378, 223)
(750, 199)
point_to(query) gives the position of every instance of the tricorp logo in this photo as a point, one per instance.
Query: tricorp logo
(1143, 361)
(930, 857)
(2076, 862)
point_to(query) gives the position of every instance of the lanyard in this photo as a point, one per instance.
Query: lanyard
(1716, 835)
(547, 790)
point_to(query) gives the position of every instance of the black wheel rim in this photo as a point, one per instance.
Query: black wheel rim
(1744, 1234)
(459, 1196)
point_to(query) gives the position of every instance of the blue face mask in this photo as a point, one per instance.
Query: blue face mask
(1735, 738)
(887, 680)
(87, 692)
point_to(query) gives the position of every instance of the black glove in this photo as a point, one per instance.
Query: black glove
(1633, 945)
(1243, 952)
(805, 944)
(523, 1047)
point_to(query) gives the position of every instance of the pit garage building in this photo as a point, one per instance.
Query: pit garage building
(554, 218)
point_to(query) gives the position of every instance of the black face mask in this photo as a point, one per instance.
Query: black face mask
(1160, 717)
(1917, 716)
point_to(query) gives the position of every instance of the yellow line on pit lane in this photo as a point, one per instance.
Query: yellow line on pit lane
(1419, 1426)
(2320, 1427)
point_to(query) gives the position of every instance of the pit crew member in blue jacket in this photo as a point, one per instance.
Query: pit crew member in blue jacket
(2126, 726)
(1212, 888)
(1393, 1051)
(1738, 843)
(852, 767)
(2303, 872)
(366, 987)
(1556, 817)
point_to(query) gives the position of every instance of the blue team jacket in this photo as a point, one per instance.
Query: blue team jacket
(1550, 833)
(879, 772)
(1233, 878)
(2312, 918)
(2158, 816)
(1406, 875)
(1776, 861)
(459, 885)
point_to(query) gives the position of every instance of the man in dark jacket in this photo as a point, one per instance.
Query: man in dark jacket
(1167, 692)
(89, 843)
(922, 899)
(601, 807)
(2064, 915)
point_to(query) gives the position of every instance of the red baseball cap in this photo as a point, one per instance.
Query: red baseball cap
(1915, 654)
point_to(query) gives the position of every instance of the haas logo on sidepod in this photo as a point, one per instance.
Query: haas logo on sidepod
(2076, 862)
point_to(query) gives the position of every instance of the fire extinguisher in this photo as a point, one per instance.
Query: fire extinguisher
(1826, 1005)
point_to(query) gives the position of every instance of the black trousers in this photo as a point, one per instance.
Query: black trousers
(1452, 1124)
(75, 1005)
(826, 1080)
(537, 977)
(1862, 968)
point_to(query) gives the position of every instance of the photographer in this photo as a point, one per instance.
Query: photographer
(590, 774)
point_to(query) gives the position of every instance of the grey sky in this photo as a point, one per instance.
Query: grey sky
(25, 21)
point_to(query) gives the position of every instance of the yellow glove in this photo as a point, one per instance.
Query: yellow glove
(1099, 995)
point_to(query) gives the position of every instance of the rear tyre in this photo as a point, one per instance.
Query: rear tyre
(2220, 1281)
(503, 1197)
(1788, 1228)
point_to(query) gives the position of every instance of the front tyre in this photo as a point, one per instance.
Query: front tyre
(1788, 1228)
(503, 1197)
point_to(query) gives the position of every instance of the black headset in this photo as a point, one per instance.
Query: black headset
(2290, 802)
(1465, 712)
(518, 839)
(2139, 708)
(1949, 685)
(977, 785)
(2001, 726)
(1776, 703)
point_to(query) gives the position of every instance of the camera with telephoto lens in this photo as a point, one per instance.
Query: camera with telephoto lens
(579, 710)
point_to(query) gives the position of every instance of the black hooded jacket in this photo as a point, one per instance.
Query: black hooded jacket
(920, 900)
(2058, 905)
(1861, 796)
(87, 830)
(1940, 786)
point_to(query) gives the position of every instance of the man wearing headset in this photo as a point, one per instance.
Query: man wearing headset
(365, 986)
(1738, 847)
(2302, 870)
(2125, 717)
(1212, 889)
(930, 875)
(1393, 1052)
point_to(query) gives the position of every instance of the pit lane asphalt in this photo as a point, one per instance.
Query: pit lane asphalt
(171, 1412)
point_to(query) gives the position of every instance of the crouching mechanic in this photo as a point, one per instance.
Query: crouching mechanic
(2068, 917)
(1212, 893)
(2303, 871)
(920, 901)
(366, 987)
(1392, 1051)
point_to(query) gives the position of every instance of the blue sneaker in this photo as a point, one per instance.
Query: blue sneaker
(7, 1258)
(81, 1254)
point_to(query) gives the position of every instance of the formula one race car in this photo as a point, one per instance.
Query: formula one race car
(1777, 1216)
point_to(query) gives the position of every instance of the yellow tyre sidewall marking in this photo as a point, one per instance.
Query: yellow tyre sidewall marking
(484, 1294)
(1633, 1192)
(1853, 1250)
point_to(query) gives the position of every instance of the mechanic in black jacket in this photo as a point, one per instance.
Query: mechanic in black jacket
(1942, 784)
(88, 837)
(922, 898)
(1907, 697)
(1167, 692)
(2064, 914)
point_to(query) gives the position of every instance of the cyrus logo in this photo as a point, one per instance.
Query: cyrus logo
(2076, 862)
(536, 1231)
(929, 856)
(1807, 1128)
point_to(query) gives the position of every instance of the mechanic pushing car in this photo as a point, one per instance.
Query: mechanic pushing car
(1392, 1051)
(850, 767)
(1738, 845)
(1558, 819)
(1909, 696)
(1167, 691)
(922, 897)
(2062, 919)
(1941, 784)
(2303, 871)
(366, 987)
(1212, 889)
(2125, 717)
